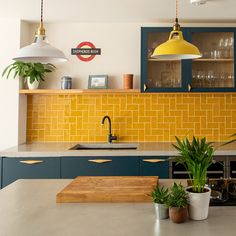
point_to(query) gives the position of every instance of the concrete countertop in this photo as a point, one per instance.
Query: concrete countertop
(28, 207)
(62, 149)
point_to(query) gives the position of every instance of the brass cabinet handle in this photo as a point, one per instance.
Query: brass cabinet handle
(100, 161)
(31, 162)
(189, 87)
(153, 160)
(145, 87)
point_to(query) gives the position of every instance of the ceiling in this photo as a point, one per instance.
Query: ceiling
(118, 10)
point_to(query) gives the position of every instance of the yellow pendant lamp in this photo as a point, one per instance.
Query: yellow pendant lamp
(176, 48)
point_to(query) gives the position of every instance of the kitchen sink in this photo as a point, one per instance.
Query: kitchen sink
(104, 146)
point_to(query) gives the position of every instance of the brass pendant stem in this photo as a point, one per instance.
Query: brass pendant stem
(41, 29)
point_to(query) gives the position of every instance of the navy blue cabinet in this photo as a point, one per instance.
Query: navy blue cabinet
(0, 172)
(29, 168)
(214, 72)
(95, 166)
(154, 166)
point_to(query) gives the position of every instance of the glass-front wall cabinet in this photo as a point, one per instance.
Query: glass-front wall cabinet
(215, 71)
(216, 67)
(156, 74)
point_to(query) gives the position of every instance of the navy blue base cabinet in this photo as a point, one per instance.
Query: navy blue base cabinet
(71, 167)
(29, 168)
(154, 166)
(0, 172)
(95, 166)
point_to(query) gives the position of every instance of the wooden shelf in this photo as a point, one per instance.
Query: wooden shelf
(214, 60)
(78, 91)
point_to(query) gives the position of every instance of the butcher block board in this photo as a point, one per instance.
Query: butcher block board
(108, 189)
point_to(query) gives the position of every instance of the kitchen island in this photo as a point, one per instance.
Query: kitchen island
(29, 208)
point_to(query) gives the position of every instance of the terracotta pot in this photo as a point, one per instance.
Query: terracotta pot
(128, 81)
(178, 214)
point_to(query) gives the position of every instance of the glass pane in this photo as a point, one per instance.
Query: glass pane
(162, 73)
(216, 67)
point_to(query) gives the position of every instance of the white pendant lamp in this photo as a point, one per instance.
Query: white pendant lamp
(40, 50)
(176, 48)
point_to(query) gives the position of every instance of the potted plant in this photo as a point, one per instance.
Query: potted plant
(177, 203)
(196, 157)
(32, 72)
(160, 196)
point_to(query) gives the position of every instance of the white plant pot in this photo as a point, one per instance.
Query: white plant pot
(34, 85)
(199, 204)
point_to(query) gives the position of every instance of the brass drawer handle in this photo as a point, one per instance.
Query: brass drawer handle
(100, 161)
(31, 162)
(153, 160)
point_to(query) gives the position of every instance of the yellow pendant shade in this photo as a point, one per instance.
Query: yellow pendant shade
(176, 48)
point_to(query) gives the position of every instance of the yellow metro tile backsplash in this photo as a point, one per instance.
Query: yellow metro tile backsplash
(135, 117)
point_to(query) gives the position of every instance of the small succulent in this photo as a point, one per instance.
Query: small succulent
(178, 197)
(160, 195)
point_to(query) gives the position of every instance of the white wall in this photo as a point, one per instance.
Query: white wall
(25, 38)
(120, 50)
(9, 43)
(119, 45)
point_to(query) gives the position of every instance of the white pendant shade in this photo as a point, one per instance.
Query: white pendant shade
(40, 51)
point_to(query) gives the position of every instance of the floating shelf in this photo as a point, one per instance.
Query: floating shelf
(78, 91)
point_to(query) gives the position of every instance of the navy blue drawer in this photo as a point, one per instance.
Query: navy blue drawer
(154, 166)
(99, 166)
(30, 168)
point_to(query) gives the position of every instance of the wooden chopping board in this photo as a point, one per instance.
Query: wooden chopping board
(108, 189)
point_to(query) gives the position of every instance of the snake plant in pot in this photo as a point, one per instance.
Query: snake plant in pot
(32, 72)
(160, 196)
(177, 202)
(196, 157)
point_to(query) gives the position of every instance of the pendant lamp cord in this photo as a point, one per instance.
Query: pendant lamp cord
(176, 9)
(41, 19)
(176, 26)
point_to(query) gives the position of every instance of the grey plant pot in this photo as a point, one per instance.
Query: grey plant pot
(162, 211)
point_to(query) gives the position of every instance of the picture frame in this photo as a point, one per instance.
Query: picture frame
(98, 82)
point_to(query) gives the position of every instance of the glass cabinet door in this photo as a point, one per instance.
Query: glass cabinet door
(157, 74)
(215, 70)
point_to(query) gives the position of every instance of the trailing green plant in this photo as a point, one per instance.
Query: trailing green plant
(160, 195)
(178, 197)
(196, 157)
(35, 71)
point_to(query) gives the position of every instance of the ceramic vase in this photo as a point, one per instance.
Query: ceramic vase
(199, 204)
(33, 85)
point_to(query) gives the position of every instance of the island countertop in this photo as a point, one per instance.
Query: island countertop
(143, 149)
(28, 207)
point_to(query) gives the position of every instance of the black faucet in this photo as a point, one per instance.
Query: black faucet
(110, 136)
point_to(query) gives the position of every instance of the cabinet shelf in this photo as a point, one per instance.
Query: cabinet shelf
(78, 91)
(215, 60)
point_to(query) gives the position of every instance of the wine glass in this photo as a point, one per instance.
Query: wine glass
(231, 47)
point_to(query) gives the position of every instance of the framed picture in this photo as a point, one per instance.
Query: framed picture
(98, 82)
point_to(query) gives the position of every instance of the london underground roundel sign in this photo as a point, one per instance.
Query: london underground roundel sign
(86, 51)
